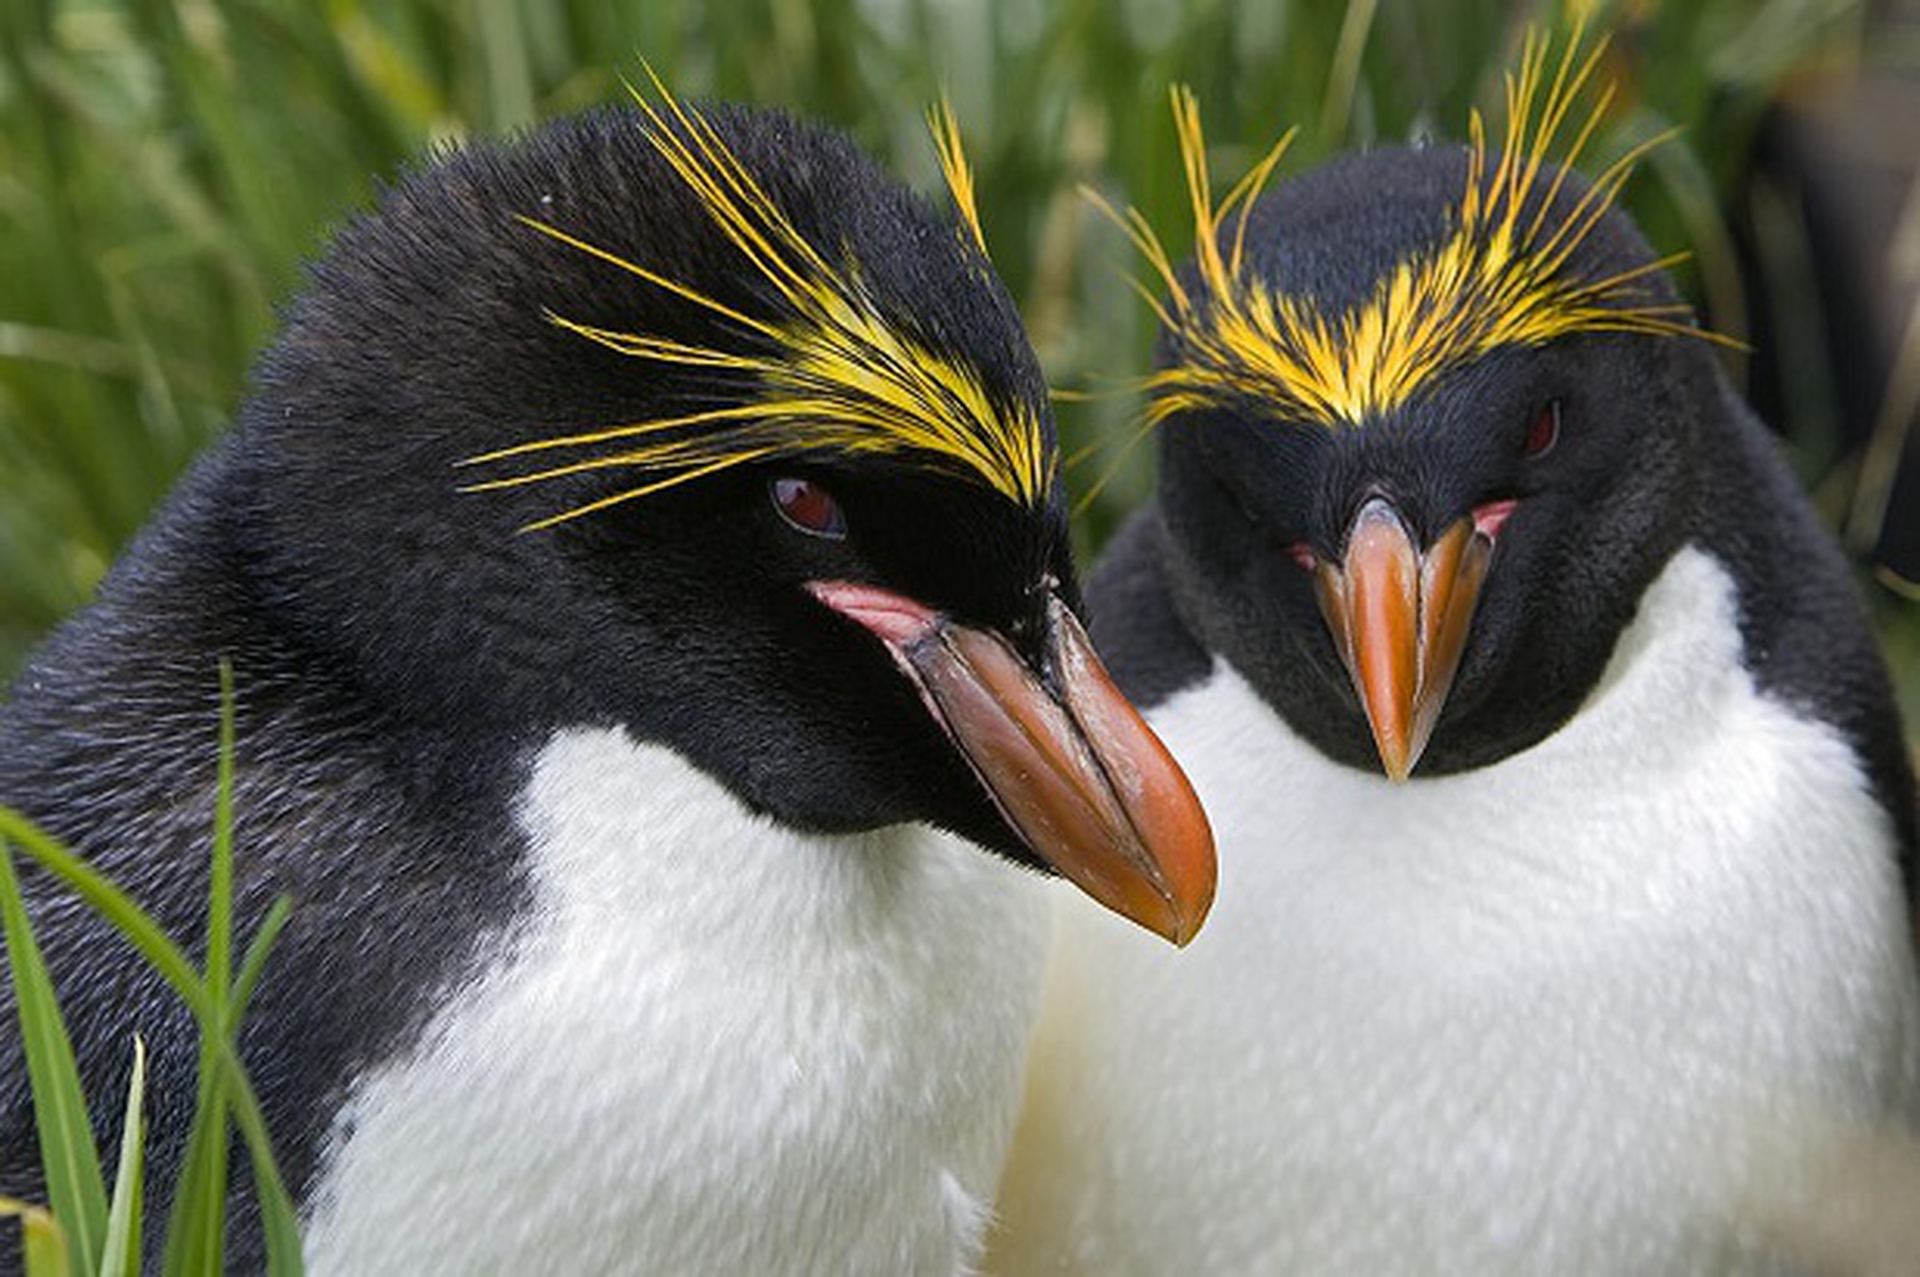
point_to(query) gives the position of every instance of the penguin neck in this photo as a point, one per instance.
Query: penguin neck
(702, 1009)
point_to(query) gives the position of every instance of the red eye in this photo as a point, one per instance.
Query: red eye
(808, 506)
(1544, 432)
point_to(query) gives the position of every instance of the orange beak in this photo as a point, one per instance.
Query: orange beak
(1068, 761)
(1400, 618)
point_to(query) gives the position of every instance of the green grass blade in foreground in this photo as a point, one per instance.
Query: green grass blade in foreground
(44, 1245)
(121, 1258)
(196, 1230)
(219, 974)
(111, 903)
(75, 1189)
(255, 960)
(276, 1207)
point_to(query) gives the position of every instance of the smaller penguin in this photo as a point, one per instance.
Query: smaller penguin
(645, 572)
(1567, 830)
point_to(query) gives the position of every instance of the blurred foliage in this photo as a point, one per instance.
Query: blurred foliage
(165, 167)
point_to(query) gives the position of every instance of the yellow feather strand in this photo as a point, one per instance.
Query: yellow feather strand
(644, 490)
(1502, 278)
(829, 377)
(954, 167)
(735, 413)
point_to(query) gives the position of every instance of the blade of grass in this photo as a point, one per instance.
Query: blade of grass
(277, 1215)
(121, 1257)
(276, 1209)
(111, 903)
(75, 1188)
(45, 1246)
(255, 958)
(1893, 424)
(276, 1206)
(196, 1230)
(219, 974)
(1336, 114)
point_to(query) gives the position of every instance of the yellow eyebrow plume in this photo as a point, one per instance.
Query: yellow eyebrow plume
(827, 374)
(1503, 277)
(954, 167)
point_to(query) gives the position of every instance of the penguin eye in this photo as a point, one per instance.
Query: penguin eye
(1544, 431)
(807, 506)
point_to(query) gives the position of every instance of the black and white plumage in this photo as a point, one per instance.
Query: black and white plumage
(624, 928)
(1629, 957)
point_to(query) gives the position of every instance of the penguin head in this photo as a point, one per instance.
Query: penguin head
(1425, 436)
(691, 421)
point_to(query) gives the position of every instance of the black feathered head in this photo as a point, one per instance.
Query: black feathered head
(691, 420)
(825, 370)
(1507, 273)
(1375, 373)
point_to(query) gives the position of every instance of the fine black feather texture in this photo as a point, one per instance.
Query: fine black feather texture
(1656, 452)
(400, 647)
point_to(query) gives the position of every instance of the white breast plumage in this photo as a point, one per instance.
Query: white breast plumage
(1527, 1019)
(713, 1046)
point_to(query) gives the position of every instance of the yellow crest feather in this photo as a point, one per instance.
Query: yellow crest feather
(954, 167)
(1500, 279)
(829, 375)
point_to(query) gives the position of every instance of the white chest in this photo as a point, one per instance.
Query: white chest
(712, 1046)
(1521, 1020)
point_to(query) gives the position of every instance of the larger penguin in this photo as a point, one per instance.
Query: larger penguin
(643, 536)
(1567, 833)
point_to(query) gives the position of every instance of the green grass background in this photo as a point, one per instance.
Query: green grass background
(166, 167)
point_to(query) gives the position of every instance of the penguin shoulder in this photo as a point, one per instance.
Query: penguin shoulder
(1805, 635)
